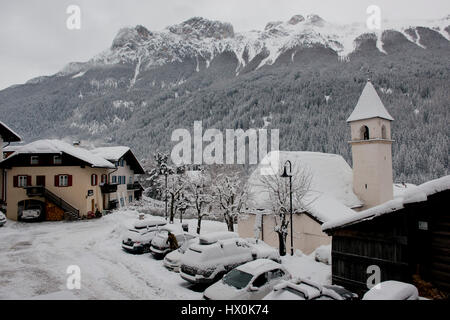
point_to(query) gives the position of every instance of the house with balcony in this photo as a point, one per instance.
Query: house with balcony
(120, 186)
(57, 179)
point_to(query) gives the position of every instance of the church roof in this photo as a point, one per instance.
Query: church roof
(369, 106)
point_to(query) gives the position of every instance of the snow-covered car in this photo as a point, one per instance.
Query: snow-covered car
(160, 245)
(392, 290)
(32, 213)
(250, 281)
(172, 259)
(302, 289)
(208, 263)
(2, 219)
(138, 239)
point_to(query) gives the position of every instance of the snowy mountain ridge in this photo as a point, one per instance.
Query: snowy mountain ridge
(202, 38)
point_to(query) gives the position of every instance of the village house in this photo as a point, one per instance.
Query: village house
(336, 190)
(127, 166)
(6, 136)
(57, 179)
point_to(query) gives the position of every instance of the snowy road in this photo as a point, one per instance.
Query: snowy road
(34, 258)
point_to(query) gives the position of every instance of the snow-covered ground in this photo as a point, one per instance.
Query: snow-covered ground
(34, 258)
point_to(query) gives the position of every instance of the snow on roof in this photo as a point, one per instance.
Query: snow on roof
(213, 237)
(259, 266)
(8, 134)
(58, 146)
(331, 191)
(111, 153)
(412, 194)
(369, 106)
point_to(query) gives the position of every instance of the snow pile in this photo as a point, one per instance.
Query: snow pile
(306, 267)
(59, 147)
(323, 254)
(413, 194)
(369, 106)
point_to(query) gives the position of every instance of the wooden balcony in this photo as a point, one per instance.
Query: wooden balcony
(108, 188)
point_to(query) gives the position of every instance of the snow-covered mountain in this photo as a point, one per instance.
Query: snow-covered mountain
(302, 76)
(205, 39)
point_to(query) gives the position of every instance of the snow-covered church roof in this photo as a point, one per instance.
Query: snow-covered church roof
(369, 106)
(410, 194)
(331, 190)
(52, 146)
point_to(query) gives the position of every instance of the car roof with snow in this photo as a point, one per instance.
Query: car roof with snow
(259, 266)
(213, 237)
(307, 289)
(149, 222)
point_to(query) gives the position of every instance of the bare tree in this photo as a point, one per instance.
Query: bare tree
(175, 186)
(278, 189)
(198, 192)
(230, 195)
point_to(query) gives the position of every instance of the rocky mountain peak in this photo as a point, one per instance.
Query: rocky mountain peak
(131, 35)
(199, 28)
(296, 19)
(315, 19)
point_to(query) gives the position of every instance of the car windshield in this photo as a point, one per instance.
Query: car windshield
(237, 278)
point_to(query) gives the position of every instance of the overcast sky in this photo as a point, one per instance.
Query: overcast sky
(34, 39)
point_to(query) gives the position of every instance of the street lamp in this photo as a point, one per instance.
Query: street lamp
(164, 171)
(286, 175)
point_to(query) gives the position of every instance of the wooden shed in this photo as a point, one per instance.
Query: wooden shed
(408, 238)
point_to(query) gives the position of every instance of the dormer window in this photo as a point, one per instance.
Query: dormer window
(57, 160)
(364, 134)
(34, 160)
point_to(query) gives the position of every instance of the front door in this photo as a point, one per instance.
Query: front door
(93, 205)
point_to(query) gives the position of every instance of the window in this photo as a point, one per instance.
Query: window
(104, 178)
(34, 160)
(22, 181)
(114, 179)
(364, 133)
(130, 199)
(130, 180)
(119, 179)
(122, 202)
(383, 132)
(124, 180)
(63, 180)
(260, 281)
(94, 180)
(57, 160)
(276, 274)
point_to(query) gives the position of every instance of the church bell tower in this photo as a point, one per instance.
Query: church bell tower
(370, 125)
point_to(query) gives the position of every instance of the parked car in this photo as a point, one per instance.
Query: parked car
(2, 219)
(302, 289)
(138, 239)
(250, 281)
(208, 263)
(172, 259)
(392, 290)
(160, 245)
(32, 213)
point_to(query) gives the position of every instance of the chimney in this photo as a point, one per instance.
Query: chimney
(76, 143)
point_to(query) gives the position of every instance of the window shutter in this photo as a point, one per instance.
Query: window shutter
(69, 180)
(57, 181)
(28, 181)
(15, 181)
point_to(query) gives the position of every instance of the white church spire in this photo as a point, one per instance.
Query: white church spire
(369, 106)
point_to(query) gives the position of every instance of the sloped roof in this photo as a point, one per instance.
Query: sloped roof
(52, 146)
(412, 194)
(369, 106)
(8, 134)
(117, 152)
(331, 191)
(111, 153)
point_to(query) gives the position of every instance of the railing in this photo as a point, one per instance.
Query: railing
(45, 193)
(108, 188)
(134, 186)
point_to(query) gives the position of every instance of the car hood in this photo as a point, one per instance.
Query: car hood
(222, 291)
(2, 216)
(174, 256)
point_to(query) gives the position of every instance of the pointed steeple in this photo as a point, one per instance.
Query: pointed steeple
(369, 106)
